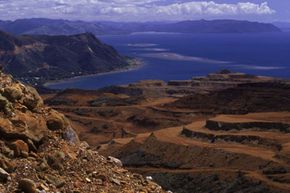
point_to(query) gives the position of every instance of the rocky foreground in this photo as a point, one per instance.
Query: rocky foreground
(226, 132)
(40, 151)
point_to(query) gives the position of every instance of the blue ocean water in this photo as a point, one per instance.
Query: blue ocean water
(182, 56)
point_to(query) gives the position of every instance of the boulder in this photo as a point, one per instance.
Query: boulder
(27, 126)
(27, 186)
(115, 161)
(5, 105)
(70, 135)
(13, 93)
(6, 164)
(20, 148)
(55, 121)
(55, 160)
(32, 100)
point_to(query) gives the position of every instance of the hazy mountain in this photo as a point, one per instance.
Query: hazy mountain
(54, 57)
(49, 27)
(284, 26)
(65, 27)
(219, 26)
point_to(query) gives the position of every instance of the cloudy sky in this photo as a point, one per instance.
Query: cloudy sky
(146, 10)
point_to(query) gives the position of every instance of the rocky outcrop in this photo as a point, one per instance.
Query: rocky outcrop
(40, 151)
(256, 125)
(230, 138)
(241, 99)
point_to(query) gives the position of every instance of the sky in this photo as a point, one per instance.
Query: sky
(146, 10)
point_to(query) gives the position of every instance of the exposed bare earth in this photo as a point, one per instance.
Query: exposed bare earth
(227, 132)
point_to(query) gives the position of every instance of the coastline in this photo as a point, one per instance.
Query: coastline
(136, 64)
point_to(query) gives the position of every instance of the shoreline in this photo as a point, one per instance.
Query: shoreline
(137, 64)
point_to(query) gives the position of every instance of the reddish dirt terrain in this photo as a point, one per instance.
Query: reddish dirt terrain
(227, 132)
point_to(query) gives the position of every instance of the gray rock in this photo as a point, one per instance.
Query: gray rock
(116, 181)
(115, 160)
(149, 178)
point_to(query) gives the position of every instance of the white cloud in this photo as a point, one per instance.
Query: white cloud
(213, 8)
(127, 9)
(251, 8)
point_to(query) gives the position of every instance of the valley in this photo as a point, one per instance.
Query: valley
(224, 132)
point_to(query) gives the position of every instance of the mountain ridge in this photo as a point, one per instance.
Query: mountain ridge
(67, 27)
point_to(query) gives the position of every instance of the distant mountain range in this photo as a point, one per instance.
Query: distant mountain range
(49, 27)
(215, 26)
(46, 49)
(40, 57)
(284, 26)
(66, 27)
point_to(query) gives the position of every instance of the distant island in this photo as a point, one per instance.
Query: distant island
(35, 59)
(66, 27)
